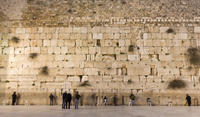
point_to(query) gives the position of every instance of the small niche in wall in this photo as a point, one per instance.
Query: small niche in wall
(98, 42)
(131, 48)
(124, 70)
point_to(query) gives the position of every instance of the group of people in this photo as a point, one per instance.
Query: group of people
(66, 100)
(148, 100)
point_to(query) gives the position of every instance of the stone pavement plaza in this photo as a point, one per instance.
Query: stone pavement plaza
(109, 111)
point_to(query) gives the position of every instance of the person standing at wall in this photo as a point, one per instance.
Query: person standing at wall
(115, 100)
(149, 101)
(77, 97)
(188, 99)
(64, 97)
(105, 100)
(51, 97)
(14, 98)
(132, 99)
(69, 99)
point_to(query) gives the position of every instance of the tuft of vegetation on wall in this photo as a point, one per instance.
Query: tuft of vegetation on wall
(176, 84)
(130, 81)
(170, 30)
(44, 70)
(33, 55)
(15, 40)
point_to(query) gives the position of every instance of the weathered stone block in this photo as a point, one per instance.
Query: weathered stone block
(97, 36)
(138, 69)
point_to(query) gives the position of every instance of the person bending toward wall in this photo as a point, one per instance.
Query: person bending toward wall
(188, 99)
(14, 98)
(51, 97)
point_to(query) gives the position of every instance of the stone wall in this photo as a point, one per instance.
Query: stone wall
(51, 46)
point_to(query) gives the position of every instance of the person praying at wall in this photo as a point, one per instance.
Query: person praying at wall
(105, 100)
(149, 101)
(64, 101)
(51, 97)
(14, 98)
(188, 99)
(77, 97)
(132, 99)
(115, 100)
(69, 99)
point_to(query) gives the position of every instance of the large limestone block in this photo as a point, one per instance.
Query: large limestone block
(107, 50)
(133, 57)
(97, 36)
(68, 64)
(91, 71)
(75, 57)
(74, 79)
(70, 71)
(70, 43)
(46, 42)
(145, 36)
(197, 29)
(163, 29)
(84, 78)
(163, 71)
(165, 57)
(121, 57)
(181, 36)
(138, 69)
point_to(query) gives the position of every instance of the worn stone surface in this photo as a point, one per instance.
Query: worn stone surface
(136, 111)
(116, 46)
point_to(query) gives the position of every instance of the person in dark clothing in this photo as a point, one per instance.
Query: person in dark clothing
(69, 99)
(64, 96)
(188, 99)
(115, 100)
(105, 100)
(77, 97)
(14, 98)
(51, 97)
(132, 99)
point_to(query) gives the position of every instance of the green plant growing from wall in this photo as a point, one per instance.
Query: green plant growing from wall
(44, 71)
(85, 84)
(15, 40)
(176, 84)
(131, 48)
(130, 81)
(170, 30)
(33, 55)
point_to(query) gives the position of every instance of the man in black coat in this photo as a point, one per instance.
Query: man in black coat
(51, 97)
(64, 96)
(188, 98)
(69, 99)
(14, 98)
